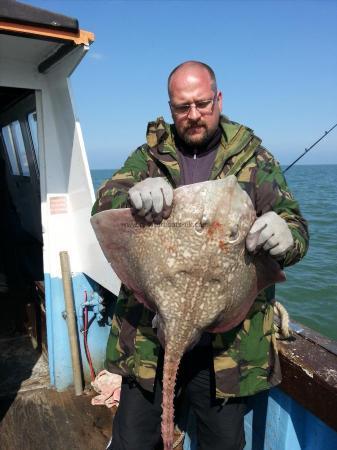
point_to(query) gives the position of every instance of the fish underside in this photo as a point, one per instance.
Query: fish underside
(193, 269)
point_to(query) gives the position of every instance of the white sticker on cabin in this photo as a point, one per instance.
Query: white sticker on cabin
(58, 205)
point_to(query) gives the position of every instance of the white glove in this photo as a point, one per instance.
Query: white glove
(108, 385)
(151, 197)
(272, 233)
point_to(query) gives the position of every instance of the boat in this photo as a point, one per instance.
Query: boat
(57, 291)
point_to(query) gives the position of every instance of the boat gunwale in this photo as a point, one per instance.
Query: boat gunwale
(309, 372)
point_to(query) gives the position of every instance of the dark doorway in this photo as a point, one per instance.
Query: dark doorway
(22, 319)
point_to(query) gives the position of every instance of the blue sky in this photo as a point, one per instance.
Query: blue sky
(275, 63)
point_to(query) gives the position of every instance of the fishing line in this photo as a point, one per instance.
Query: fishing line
(308, 149)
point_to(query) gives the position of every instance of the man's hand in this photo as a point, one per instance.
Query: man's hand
(272, 233)
(152, 199)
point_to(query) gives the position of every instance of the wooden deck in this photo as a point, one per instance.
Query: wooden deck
(33, 416)
(50, 420)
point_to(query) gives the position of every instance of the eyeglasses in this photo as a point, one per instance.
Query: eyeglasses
(203, 106)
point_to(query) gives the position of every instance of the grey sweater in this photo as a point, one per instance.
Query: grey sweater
(196, 164)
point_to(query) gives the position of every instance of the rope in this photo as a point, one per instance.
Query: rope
(180, 438)
(281, 328)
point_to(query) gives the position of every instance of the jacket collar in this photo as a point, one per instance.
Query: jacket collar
(160, 139)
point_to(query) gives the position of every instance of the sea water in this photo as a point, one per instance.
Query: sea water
(310, 292)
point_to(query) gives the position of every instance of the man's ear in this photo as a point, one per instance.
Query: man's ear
(219, 98)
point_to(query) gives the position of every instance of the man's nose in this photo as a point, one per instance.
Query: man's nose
(194, 113)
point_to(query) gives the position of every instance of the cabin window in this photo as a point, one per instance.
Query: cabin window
(9, 144)
(32, 121)
(16, 149)
(21, 150)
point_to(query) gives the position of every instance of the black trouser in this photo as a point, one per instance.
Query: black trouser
(137, 421)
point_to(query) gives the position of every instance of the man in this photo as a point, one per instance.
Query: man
(217, 375)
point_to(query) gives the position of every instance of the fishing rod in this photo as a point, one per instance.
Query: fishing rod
(307, 149)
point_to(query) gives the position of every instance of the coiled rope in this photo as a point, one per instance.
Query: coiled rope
(282, 327)
(180, 438)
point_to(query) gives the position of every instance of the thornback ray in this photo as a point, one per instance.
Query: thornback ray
(192, 270)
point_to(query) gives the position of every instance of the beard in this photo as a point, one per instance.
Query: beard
(196, 135)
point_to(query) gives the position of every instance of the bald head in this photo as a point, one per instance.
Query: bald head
(188, 71)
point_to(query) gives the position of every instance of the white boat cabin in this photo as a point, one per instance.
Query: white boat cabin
(46, 188)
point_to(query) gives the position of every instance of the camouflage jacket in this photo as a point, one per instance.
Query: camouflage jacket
(245, 358)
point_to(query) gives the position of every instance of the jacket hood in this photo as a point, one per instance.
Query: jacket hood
(236, 141)
(159, 133)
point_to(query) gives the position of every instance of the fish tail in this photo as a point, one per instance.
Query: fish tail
(169, 379)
